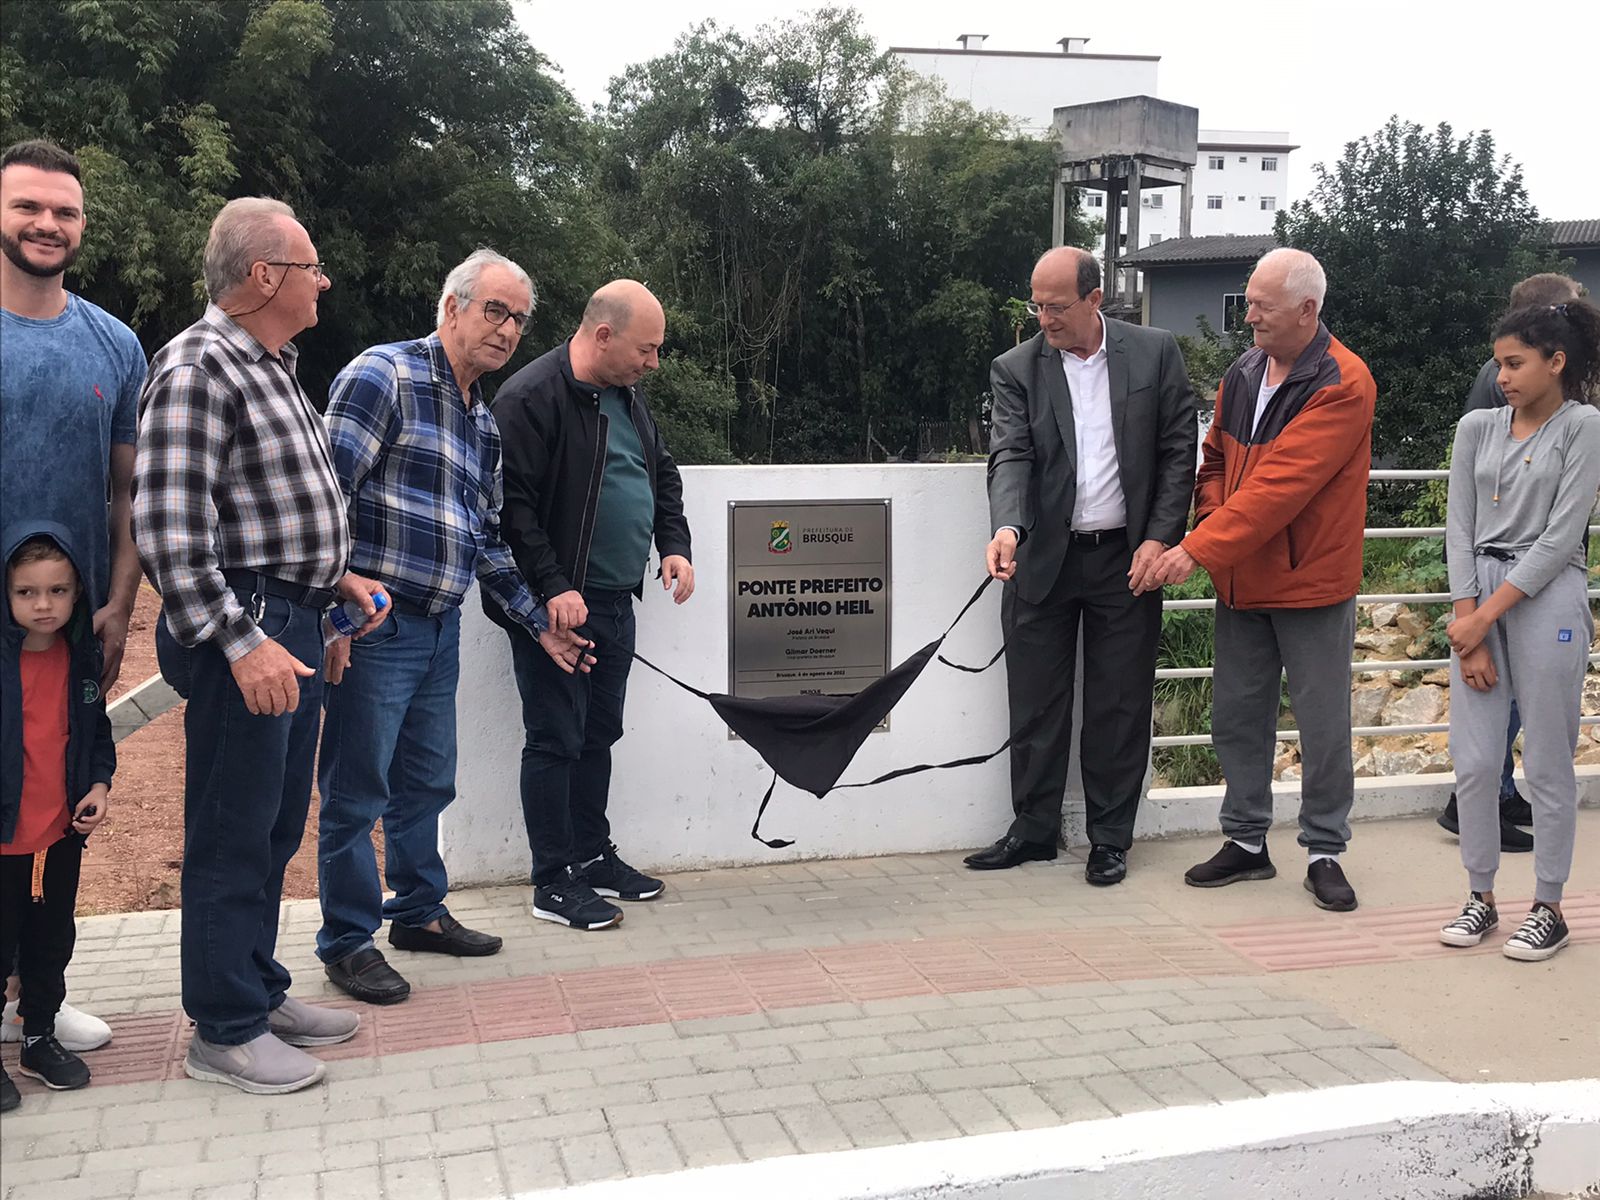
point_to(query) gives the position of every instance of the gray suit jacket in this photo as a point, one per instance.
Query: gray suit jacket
(1033, 446)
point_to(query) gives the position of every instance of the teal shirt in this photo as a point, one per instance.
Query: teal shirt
(625, 514)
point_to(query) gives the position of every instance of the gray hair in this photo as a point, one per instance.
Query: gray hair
(461, 281)
(246, 231)
(1303, 277)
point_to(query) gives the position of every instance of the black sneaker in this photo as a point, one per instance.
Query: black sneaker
(573, 902)
(45, 1059)
(1232, 864)
(9, 1096)
(1328, 887)
(1512, 839)
(608, 875)
(1477, 920)
(1541, 935)
(1515, 809)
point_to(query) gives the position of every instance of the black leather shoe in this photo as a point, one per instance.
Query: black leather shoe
(1107, 865)
(1010, 852)
(10, 1096)
(453, 938)
(367, 977)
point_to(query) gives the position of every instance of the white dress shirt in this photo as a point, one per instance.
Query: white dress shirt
(1099, 502)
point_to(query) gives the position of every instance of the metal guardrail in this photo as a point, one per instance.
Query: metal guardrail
(1369, 666)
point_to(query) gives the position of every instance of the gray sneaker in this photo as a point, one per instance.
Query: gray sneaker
(299, 1024)
(263, 1066)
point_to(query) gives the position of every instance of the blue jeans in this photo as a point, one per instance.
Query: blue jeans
(389, 752)
(570, 723)
(1508, 782)
(247, 788)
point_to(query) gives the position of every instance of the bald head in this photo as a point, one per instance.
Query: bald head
(1068, 267)
(620, 337)
(1066, 295)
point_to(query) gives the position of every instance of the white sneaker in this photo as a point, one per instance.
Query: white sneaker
(75, 1030)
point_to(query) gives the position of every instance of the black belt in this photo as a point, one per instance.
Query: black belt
(253, 583)
(1098, 537)
(1496, 552)
(406, 608)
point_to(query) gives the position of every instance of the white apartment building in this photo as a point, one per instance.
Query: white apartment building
(1241, 178)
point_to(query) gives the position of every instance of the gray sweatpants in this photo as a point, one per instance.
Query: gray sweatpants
(1255, 648)
(1540, 650)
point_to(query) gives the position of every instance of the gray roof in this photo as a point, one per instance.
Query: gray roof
(1247, 247)
(1573, 234)
(1219, 248)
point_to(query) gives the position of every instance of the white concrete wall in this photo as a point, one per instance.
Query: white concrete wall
(1420, 1141)
(683, 795)
(1030, 87)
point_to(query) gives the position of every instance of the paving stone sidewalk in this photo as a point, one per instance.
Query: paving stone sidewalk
(749, 1013)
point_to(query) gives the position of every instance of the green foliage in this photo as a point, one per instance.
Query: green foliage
(403, 134)
(1183, 706)
(693, 406)
(838, 236)
(1422, 235)
(1208, 355)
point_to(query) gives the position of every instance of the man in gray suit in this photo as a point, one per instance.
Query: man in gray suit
(1091, 470)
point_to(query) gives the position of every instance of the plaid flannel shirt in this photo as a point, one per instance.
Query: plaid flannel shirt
(233, 470)
(420, 469)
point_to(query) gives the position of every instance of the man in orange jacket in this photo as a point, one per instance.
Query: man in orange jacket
(1280, 506)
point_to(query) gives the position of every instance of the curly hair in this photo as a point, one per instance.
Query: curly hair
(1572, 327)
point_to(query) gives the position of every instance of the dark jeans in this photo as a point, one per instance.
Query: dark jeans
(39, 937)
(247, 788)
(389, 751)
(1508, 773)
(570, 723)
(1121, 636)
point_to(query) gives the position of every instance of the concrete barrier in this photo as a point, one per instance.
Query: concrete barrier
(684, 794)
(1420, 1141)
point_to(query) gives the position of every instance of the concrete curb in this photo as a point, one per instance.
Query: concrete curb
(1424, 1141)
(133, 710)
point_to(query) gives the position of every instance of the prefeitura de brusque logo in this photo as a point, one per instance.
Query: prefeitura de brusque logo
(778, 541)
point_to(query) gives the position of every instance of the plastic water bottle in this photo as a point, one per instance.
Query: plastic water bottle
(344, 619)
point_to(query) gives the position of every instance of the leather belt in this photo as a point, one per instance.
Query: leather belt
(253, 583)
(1098, 537)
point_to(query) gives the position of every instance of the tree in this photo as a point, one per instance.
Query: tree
(1422, 235)
(833, 236)
(403, 134)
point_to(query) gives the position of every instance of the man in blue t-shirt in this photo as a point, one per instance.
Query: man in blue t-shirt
(70, 375)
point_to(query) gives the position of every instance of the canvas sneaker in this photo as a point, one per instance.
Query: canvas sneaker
(1540, 936)
(75, 1030)
(608, 875)
(1476, 921)
(571, 901)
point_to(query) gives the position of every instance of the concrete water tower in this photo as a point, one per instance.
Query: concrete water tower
(1122, 147)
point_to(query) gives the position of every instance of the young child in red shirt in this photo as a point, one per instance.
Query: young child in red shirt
(57, 757)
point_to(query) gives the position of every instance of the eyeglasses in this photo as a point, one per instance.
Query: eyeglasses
(316, 268)
(1052, 310)
(496, 313)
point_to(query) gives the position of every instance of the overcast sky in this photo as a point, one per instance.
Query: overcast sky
(1326, 72)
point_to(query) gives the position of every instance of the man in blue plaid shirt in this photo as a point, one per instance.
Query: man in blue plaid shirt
(417, 456)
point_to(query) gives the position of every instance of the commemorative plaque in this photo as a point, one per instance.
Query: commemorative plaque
(808, 596)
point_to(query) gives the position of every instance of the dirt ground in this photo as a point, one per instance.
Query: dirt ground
(134, 862)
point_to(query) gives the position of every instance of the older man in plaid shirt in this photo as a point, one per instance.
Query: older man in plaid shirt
(417, 455)
(240, 524)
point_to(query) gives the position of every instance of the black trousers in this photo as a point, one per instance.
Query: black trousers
(39, 937)
(1121, 635)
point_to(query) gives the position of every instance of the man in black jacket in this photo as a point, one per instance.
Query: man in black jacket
(588, 485)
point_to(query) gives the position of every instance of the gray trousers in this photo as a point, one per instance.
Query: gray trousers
(1254, 649)
(1540, 650)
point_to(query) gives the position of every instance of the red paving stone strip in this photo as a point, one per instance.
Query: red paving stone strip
(151, 1046)
(1385, 935)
